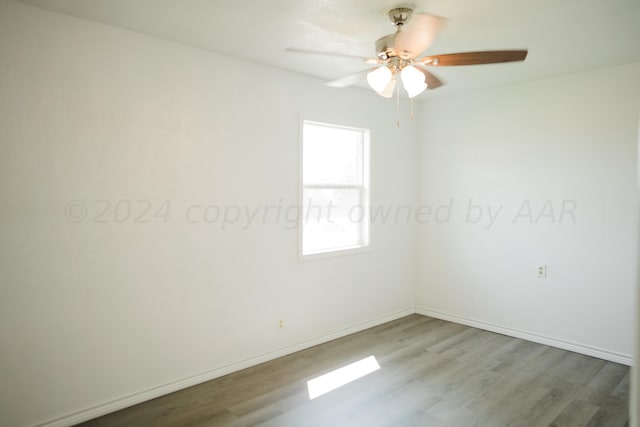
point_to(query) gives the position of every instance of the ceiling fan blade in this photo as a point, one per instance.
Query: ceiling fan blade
(335, 54)
(350, 79)
(429, 78)
(417, 35)
(474, 58)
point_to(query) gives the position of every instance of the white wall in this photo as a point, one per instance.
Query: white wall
(96, 312)
(568, 138)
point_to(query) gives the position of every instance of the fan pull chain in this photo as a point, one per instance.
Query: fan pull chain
(397, 107)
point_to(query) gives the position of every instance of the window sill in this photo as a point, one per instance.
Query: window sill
(335, 253)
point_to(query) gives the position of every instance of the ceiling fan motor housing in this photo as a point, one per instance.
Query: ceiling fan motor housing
(385, 47)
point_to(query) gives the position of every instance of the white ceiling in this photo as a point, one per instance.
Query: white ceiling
(563, 36)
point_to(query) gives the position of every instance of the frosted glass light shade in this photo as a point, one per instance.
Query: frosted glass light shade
(388, 91)
(379, 78)
(412, 80)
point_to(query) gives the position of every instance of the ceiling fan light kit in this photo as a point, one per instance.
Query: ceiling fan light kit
(403, 53)
(383, 80)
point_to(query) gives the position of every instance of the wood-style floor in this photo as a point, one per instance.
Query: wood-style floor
(433, 373)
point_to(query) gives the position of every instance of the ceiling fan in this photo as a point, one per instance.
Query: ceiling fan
(400, 53)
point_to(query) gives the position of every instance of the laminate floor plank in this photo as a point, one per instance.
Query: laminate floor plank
(612, 413)
(485, 345)
(609, 376)
(432, 373)
(623, 387)
(577, 368)
(576, 414)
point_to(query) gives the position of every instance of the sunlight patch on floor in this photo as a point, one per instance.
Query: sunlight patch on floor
(341, 376)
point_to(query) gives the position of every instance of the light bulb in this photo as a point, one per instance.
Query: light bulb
(379, 78)
(412, 80)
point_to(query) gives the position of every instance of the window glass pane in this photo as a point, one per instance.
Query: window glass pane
(335, 181)
(333, 219)
(332, 155)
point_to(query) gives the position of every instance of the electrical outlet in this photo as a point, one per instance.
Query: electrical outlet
(280, 324)
(542, 271)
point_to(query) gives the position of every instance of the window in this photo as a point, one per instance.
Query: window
(335, 188)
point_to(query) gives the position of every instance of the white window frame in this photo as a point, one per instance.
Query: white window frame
(364, 194)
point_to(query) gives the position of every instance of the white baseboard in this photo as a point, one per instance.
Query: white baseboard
(542, 339)
(152, 393)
